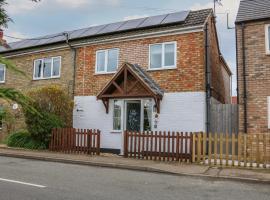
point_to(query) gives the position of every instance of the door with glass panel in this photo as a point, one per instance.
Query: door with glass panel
(133, 115)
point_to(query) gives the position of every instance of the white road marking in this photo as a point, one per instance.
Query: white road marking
(23, 183)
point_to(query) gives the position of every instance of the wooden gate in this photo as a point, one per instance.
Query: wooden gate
(162, 146)
(71, 140)
(224, 118)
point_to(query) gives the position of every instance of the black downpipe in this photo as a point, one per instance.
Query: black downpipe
(244, 77)
(207, 79)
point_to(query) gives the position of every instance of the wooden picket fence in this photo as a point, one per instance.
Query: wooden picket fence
(71, 140)
(242, 150)
(162, 146)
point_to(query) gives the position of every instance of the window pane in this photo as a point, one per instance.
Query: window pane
(37, 70)
(147, 110)
(169, 54)
(47, 67)
(56, 66)
(112, 60)
(101, 61)
(2, 73)
(117, 115)
(156, 56)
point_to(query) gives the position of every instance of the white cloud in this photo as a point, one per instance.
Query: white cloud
(134, 17)
(74, 3)
(15, 7)
(19, 6)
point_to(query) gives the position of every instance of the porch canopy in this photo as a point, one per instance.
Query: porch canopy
(131, 81)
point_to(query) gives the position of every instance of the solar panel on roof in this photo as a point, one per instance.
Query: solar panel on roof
(57, 39)
(131, 24)
(152, 21)
(111, 27)
(77, 33)
(92, 31)
(176, 17)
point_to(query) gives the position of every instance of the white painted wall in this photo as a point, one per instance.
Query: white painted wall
(179, 112)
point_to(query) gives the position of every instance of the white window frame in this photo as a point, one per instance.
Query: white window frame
(122, 114)
(4, 80)
(268, 111)
(267, 39)
(42, 63)
(106, 61)
(163, 67)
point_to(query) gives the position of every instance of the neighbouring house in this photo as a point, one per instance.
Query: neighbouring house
(43, 66)
(253, 66)
(158, 73)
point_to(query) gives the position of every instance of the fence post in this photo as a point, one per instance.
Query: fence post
(193, 147)
(98, 142)
(125, 144)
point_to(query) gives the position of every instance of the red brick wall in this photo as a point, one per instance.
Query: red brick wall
(189, 75)
(257, 77)
(220, 80)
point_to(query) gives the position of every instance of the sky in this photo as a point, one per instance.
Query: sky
(53, 16)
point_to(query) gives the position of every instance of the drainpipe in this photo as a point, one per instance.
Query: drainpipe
(207, 79)
(74, 55)
(244, 76)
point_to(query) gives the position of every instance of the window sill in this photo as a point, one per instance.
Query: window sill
(39, 79)
(163, 68)
(2, 82)
(104, 73)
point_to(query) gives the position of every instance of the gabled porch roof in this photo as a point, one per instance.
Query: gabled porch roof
(131, 81)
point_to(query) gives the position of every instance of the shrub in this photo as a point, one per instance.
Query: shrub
(55, 111)
(23, 139)
(40, 127)
(53, 99)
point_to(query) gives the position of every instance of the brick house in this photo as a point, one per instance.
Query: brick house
(253, 66)
(157, 73)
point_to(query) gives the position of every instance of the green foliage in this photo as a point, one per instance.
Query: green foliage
(7, 118)
(11, 94)
(55, 107)
(40, 127)
(23, 139)
(53, 99)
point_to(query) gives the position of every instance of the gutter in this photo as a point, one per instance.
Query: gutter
(244, 76)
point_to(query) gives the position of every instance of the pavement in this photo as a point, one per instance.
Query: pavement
(115, 161)
(28, 179)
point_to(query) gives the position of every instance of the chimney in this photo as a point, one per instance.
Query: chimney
(2, 41)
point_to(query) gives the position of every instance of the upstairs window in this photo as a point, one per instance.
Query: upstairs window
(2, 73)
(47, 68)
(162, 56)
(267, 38)
(107, 61)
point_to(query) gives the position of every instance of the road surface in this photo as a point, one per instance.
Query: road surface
(22, 179)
